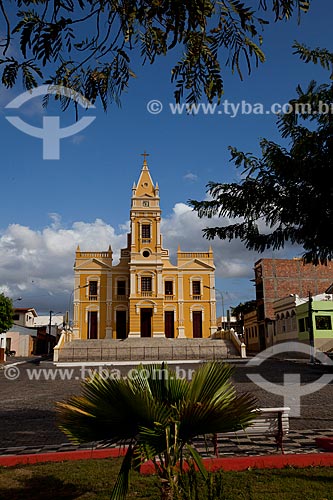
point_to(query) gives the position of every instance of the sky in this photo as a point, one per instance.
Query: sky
(49, 206)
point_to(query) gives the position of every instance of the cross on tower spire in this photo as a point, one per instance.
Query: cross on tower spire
(145, 157)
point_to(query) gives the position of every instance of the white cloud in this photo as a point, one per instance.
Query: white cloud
(190, 176)
(38, 264)
(185, 228)
(234, 263)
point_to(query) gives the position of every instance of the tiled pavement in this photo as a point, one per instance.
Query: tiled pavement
(300, 441)
(28, 426)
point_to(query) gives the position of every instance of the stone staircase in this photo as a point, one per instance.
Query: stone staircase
(146, 349)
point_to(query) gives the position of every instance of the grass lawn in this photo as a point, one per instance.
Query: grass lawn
(93, 480)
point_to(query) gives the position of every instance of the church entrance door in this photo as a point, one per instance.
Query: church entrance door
(146, 317)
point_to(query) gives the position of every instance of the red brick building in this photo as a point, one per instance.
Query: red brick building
(277, 278)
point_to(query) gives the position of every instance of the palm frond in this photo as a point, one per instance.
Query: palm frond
(159, 413)
(162, 382)
(210, 381)
(197, 460)
(111, 410)
(120, 488)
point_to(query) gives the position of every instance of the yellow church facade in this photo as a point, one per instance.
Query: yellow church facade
(144, 294)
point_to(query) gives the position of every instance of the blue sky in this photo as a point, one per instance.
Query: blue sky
(49, 206)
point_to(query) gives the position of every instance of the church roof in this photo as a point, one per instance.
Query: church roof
(145, 185)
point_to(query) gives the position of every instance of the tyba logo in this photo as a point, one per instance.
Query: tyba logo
(291, 389)
(51, 132)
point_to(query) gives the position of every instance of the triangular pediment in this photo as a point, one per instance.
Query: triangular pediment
(93, 264)
(196, 264)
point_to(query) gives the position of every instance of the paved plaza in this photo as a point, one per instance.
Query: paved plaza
(29, 390)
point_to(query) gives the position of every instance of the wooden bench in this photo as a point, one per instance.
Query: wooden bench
(269, 422)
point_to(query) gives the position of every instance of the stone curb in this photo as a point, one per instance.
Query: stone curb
(60, 456)
(211, 464)
(259, 462)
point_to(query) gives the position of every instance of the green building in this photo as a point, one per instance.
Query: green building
(320, 312)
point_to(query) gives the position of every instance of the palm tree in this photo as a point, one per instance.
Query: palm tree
(158, 414)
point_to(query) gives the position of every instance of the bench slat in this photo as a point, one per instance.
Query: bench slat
(267, 423)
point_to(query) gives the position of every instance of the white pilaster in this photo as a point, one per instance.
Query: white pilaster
(108, 333)
(181, 332)
(133, 290)
(159, 282)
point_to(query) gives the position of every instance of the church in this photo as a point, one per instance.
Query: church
(144, 294)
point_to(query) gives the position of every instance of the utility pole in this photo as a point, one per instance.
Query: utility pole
(310, 328)
(68, 312)
(50, 331)
(222, 301)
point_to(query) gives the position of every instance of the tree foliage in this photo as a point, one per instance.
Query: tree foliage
(90, 46)
(244, 308)
(6, 313)
(286, 195)
(157, 414)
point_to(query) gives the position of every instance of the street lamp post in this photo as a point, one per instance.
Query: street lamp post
(222, 301)
(52, 313)
(310, 327)
(49, 339)
(70, 303)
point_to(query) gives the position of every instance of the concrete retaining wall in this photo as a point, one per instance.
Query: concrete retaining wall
(158, 349)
